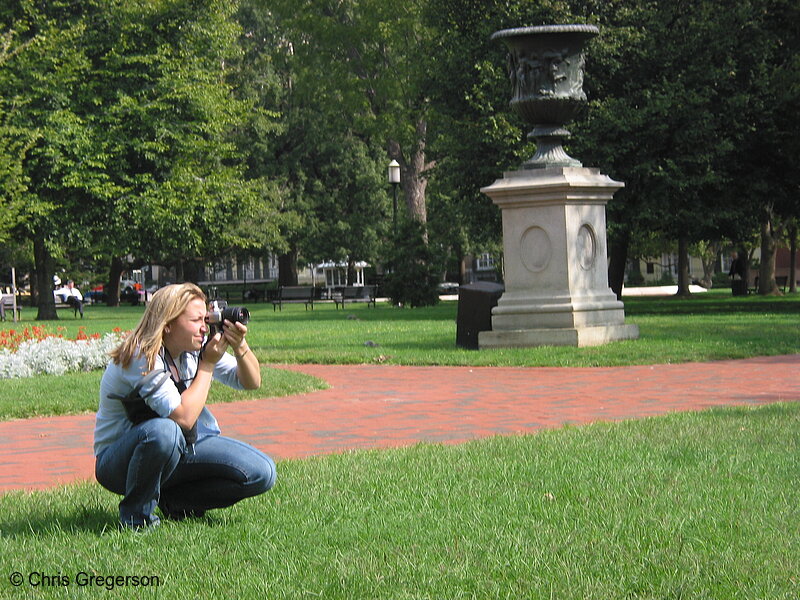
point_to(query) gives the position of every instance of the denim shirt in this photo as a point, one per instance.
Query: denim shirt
(112, 422)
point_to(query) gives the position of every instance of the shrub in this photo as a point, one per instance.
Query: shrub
(666, 278)
(413, 279)
(721, 280)
(53, 355)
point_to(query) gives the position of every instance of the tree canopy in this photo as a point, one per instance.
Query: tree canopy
(180, 131)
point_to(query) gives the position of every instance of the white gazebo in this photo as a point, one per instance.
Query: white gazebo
(335, 273)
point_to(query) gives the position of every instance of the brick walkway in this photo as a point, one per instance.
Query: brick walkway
(373, 406)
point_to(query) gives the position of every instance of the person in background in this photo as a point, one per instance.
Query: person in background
(72, 296)
(737, 270)
(3, 295)
(738, 274)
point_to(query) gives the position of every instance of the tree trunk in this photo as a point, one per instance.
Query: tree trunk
(287, 268)
(769, 247)
(793, 257)
(683, 268)
(114, 276)
(465, 269)
(618, 257)
(34, 287)
(191, 270)
(44, 280)
(179, 272)
(413, 169)
(635, 276)
(709, 260)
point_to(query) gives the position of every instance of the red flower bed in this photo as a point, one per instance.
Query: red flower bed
(12, 338)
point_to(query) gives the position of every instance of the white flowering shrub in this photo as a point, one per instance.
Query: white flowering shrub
(56, 356)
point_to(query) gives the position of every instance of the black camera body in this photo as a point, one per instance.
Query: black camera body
(219, 312)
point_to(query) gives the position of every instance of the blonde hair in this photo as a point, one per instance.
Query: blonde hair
(165, 305)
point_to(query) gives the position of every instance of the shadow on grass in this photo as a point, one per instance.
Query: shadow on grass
(447, 310)
(59, 519)
(701, 304)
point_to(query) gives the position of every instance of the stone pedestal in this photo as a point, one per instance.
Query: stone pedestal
(556, 270)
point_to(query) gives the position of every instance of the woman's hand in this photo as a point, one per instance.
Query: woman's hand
(234, 334)
(214, 348)
(248, 369)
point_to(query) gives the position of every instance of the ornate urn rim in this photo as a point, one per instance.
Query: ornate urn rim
(577, 28)
(545, 66)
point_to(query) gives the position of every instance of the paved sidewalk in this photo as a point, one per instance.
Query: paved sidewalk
(376, 406)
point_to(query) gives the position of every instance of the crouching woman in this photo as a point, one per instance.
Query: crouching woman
(155, 441)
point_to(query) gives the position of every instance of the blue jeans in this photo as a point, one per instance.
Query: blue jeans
(149, 466)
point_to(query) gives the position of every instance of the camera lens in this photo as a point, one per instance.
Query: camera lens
(236, 314)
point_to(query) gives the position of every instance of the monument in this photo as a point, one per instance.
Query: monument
(553, 208)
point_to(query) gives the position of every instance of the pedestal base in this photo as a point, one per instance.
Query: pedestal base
(555, 259)
(560, 309)
(576, 336)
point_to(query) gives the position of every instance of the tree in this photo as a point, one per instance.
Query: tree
(362, 61)
(350, 203)
(133, 115)
(259, 81)
(476, 136)
(41, 81)
(765, 130)
(695, 148)
(325, 152)
(14, 143)
(413, 273)
(168, 121)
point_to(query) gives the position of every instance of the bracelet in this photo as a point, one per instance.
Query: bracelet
(242, 355)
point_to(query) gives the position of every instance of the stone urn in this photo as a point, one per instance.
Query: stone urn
(554, 223)
(546, 70)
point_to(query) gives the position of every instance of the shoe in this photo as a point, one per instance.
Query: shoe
(180, 514)
(148, 525)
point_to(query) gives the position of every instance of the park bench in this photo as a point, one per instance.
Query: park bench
(355, 293)
(60, 304)
(781, 281)
(293, 294)
(7, 303)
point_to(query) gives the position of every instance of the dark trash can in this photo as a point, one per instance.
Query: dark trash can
(739, 287)
(475, 304)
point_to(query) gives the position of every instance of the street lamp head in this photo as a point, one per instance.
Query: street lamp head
(394, 172)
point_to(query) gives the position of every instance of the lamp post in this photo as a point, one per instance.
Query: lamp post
(394, 179)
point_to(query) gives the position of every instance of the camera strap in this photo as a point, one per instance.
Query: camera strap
(136, 409)
(190, 435)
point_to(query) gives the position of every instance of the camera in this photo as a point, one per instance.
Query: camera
(219, 311)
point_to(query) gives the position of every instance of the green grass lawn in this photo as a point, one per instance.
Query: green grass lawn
(692, 505)
(671, 330)
(75, 393)
(711, 326)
